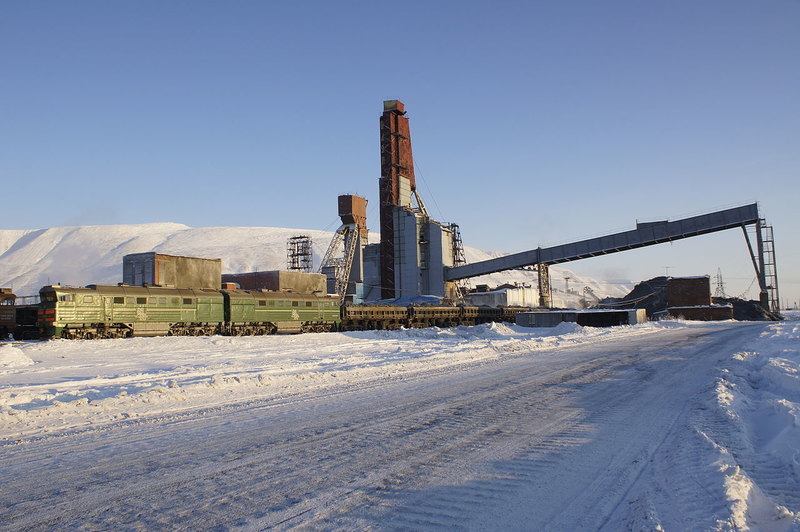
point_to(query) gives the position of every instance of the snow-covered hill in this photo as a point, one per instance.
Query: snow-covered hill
(80, 255)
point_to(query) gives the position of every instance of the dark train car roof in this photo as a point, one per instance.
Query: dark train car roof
(269, 294)
(123, 290)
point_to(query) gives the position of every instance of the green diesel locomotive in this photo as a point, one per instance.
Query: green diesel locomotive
(98, 311)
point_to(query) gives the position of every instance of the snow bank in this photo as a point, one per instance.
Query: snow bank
(13, 357)
(758, 394)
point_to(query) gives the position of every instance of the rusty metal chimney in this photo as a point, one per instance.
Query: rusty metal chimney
(397, 173)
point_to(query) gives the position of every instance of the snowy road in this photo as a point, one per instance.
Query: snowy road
(603, 435)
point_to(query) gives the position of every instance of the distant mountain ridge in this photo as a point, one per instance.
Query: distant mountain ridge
(81, 255)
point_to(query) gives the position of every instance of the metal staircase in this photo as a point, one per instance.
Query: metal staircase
(769, 266)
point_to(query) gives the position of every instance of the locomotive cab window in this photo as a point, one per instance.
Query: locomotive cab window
(67, 297)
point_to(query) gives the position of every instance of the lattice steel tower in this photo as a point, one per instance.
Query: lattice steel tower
(299, 256)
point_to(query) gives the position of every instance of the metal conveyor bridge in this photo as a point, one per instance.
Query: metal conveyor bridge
(645, 234)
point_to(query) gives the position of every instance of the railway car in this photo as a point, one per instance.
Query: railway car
(98, 311)
(434, 316)
(8, 312)
(373, 317)
(249, 312)
(509, 314)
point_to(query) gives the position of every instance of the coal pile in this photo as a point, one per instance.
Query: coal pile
(650, 295)
(744, 310)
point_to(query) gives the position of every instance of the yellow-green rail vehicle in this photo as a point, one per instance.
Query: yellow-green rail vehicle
(98, 311)
(7, 312)
(264, 312)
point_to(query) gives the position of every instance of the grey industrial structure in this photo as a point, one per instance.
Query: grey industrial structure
(418, 257)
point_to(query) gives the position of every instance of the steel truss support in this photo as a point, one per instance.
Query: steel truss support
(764, 265)
(338, 267)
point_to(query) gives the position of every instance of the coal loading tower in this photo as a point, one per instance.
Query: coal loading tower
(409, 262)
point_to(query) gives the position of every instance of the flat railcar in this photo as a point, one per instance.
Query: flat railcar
(373, 317)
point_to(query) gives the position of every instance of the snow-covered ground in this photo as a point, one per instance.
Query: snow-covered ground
(672, 425)
(63, 384)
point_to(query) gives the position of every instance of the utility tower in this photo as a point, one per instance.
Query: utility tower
(719, 285)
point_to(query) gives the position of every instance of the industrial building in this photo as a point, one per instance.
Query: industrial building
(174, 271)
(278, 281)
(408, 263)
(421, 259)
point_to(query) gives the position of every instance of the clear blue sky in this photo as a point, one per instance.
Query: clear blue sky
(533, 122)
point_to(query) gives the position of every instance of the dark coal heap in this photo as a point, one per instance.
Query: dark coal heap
(651, 295)
(744, 310)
